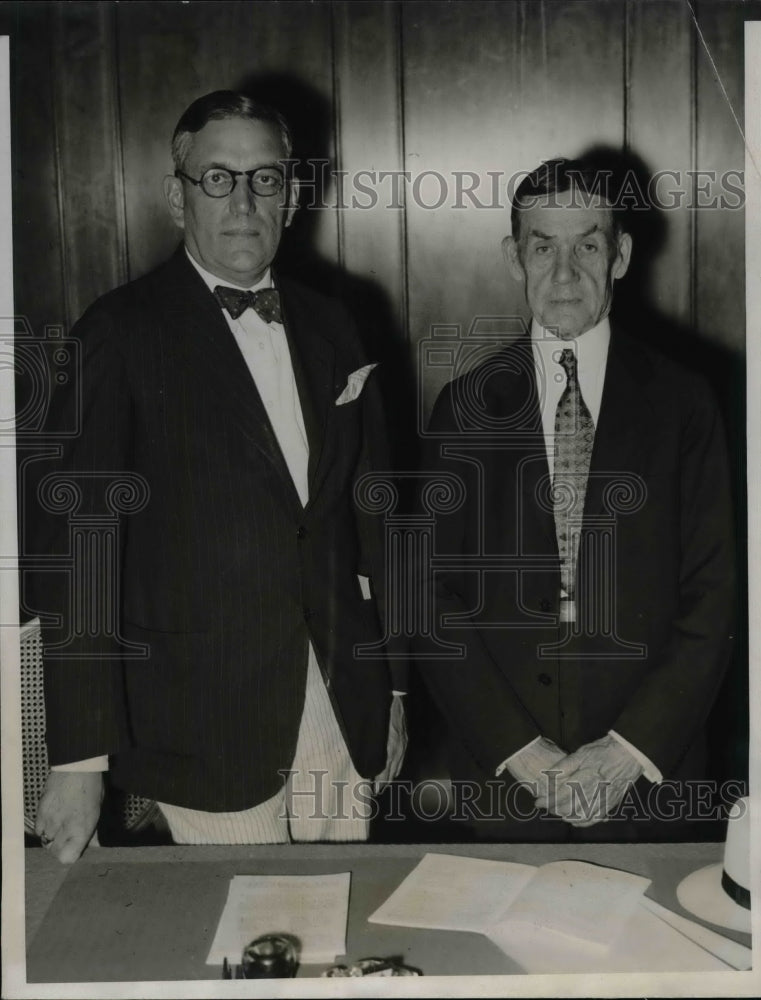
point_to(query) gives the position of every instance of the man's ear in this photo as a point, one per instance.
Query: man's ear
(513, 259)
(293, 200)
(623, 256)
(175, 199)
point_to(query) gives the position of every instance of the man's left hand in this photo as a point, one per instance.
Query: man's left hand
(591, 783)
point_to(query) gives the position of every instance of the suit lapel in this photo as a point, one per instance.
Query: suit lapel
(313, 356)
(517, 405)
(203, 342)
(626, 425)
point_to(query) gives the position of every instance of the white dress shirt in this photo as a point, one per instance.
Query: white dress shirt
(265, 350)
(591, 350)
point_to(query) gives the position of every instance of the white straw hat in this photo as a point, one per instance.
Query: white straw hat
(720, 893)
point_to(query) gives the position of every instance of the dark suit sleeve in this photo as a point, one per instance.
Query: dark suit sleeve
(375, 459)
(671, 705)
(85, 710)
(475, 697)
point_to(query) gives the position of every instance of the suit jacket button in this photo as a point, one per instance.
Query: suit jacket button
(544, 604)
(301, 532)
(544, 679)
(308, 614)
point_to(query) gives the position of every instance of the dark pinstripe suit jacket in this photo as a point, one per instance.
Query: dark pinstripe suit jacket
(222, 574)
(655, 580)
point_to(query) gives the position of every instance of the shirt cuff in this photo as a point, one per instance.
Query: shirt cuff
(91, 764)
(507, 760)
(649, 770)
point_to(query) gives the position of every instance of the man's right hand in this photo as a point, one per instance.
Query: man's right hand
(531, 764)
(68, 812)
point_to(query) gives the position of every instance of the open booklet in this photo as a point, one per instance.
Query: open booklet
(567, 916)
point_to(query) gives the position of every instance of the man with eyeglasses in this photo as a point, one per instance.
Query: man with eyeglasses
(250, 577)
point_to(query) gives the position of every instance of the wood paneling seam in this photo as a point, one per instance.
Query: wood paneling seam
(694, 87)
(401, 125)
(55, 61)
(119, 186)
(337, 134)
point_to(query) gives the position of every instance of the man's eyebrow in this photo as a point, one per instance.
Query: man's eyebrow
(213, 165)
(219, 165)
(540, 235)
(545, 236)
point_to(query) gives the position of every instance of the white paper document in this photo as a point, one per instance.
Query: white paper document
(450, 893)
(447, 892)
(582, 901)
(312, 908)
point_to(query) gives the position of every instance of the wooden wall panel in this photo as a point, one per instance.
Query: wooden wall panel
(720, 237)
(371, 228)
(89, 153)
(171, 53)
(660, 133)
(367, 80)
(571, 92)
(461, 66)
(38, 266)
(438, 87)
(495, 87)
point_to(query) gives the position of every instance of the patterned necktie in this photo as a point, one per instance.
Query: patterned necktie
(266, 302)
(574, 438)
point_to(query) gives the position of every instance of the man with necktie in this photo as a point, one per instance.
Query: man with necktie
(242, 405)
(593, 600)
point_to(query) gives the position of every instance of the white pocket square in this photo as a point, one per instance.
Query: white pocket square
(354, 384)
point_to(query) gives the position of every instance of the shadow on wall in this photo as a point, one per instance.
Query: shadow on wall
(310, 115)
(634, 304)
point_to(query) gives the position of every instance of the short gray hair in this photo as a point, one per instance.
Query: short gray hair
(218, 105)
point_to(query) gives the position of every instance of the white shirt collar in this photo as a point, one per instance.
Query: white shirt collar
(211, 280)
(591, 347)
(591, 360)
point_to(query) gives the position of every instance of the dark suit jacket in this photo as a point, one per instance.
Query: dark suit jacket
(222, 573)
(657, 513)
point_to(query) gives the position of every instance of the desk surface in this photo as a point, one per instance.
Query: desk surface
(136, 914)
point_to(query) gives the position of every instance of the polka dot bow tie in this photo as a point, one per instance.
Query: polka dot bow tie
(265, 302)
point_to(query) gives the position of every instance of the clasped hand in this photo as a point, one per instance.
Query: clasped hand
(582, 788)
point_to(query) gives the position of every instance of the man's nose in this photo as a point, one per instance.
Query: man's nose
(565, 269)
(242, 198)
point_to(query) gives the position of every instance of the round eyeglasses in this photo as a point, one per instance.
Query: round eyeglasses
(218, 182)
